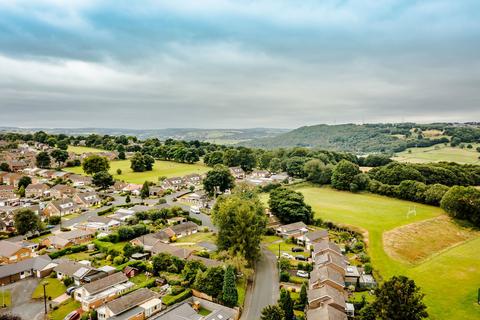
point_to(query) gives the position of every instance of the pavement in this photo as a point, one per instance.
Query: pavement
(22, 303)
(264, 289)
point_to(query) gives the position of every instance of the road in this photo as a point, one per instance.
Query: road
(264, 290)
(22, 304)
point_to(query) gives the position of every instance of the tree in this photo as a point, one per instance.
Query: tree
(289, 206)
(191, 268)
(246, 159)
(21, 192)
(317, 172)
(103, 179)
(62, 145)
(231, 158)
(130, 249)
(272, 313)
(119, 171)
(60, 156)
(275, 165)
(95, 163)
(462, 203)
(127, 199)
(344, 174)
(145, 191)
(399, 299)
(218, 180)
(26, 220)
(141, 163)
(24, 181)
(4, 167)
(303, 299)
(210, 281)
(286, 303)
(294, 166)
(213, 158)
(43, 160)
(241, 222)
(121, 155)
(230, 293)
(8, 316)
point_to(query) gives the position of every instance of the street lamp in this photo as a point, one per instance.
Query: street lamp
(3, 295)
(45, 296)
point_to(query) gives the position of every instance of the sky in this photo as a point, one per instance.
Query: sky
(237, 64)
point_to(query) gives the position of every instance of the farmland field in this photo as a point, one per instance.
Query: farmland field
(438, 153)
(160, 169)
(450, 277)
(80, 150)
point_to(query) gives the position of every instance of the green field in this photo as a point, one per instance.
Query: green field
(54, 289)
(160, 169)
(80, 150)
(450, 279)
(440, 153)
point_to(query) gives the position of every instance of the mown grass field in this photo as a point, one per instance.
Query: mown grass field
(54, 289)
(80, 150)
(440, 153)
(160, 169)
(450, 278)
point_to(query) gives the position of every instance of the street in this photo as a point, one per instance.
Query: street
(264, 290)
(22, 303)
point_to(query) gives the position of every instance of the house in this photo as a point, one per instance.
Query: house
(155, 191)
(183, 229)
(175, 183)
(190, 308)
(295, 229)
(237, 172)
(209, 263)
(326, 295)
(61, 191)
(312, 237)
(86, 199)
(138, 305)
(326, 275)
(39, 267)
(79, 180)
(130, 271)
(325, 246)
(263, 174)
(178, 252)
(65, 239)
(8, 192)
(326, 312)
(176, 220)
(36, 190)
(94, 294)
(12, 179)
(119, 186)
(11, 252)
(80, 272)
(198, 198)
(332, 260)
(122, 214)
(193, 179)
(352, 276)
(99, 223)
(60, 207)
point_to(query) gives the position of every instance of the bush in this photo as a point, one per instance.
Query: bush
(284, 276)
(67, 281)
(69, 250)
(118, 260)
(368, 268)
(169, 300)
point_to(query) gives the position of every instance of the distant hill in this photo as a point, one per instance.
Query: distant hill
(369, 138)
(220, 136)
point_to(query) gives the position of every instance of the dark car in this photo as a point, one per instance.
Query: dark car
(74, 315)
(301, 258)
(71, 289)
(297, 249)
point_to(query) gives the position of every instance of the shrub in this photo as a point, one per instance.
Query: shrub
(284, 276)
(168, 300)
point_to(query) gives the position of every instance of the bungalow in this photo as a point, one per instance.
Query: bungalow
(140, 304)
(326, 295)
(155, 191)
(209, 263)
(198, 198)
(60, 208)
(149, 240)
(326, 312)
(183, 229)
(7, 192)
(326, 246)
(326, 275)
(122, 214)
(39, 267)
(94, 294)
(331, 260)
(11, 252)
(99, 223)
(312, 237)
(178, 252)
(12, 179)
(175, 183)
(86, 199)
(79, 180)
(80, 272)
(65, 239)
(192, 179)
(260, 174)
(61, 191)
(237, 172)
(190, 309)
(295, 229)
(36, 190)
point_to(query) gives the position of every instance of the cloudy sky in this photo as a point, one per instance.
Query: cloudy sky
(237, 64)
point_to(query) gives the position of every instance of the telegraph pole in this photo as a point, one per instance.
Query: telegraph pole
(45, 297)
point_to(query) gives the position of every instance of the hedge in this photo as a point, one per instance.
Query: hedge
(69, 250)
(168, 300)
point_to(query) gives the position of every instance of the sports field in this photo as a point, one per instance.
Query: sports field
(438, 153)
(449, 276)
(160, 169)
(80, 150)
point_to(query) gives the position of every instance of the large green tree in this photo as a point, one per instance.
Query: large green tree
(24, 182)
(60, 156)
(43, 160)
(286, 303)
(229, 292)
(218, 180)
(399, 299)
(462, 203)
(317, 172)
(289, 206)
(344, 175)
(95, 163)
(210, 281)
(241, 222)
(26, 220)
(272, 313)
(145, 191)
(140, 162)
(103, 179)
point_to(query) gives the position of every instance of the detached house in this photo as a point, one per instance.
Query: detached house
(86, 199)
(295, 229)
(12, 179)
(39, 267)
(183, 229)
(325, 246)
(193, 179)
(7, 192)
(79, 180)
(237, 172)
(36, 190)
(61, 191)
(312, 237)
(98, 292)
(175, 183)
(60, 208)
(67, 239)
(11, 252)
(138, 305)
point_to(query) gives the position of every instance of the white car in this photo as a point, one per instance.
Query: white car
(302, 274)
(195, 210)
(286, 255)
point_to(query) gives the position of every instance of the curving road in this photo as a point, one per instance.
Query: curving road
(264, 290)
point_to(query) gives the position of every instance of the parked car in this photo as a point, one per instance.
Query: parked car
(297, 249)
(195, 210)
(71, 289)
(302, 274)
(287, 255)
(74, 315)
(301, 258)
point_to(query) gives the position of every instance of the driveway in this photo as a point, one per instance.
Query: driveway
(22, 304)
(264, 290)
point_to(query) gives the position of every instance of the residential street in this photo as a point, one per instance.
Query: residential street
(264, 290)
(22, 304)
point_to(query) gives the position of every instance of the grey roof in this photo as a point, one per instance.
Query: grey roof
(105, 283)
(130, 300)
(68, 267)
(294, 226)
(318, 234)
(69, 235)
(185, 226)
(181, 253)
(326, 312)
(324, 245)
(325, 293)
(8, 248)
(326, 273)
(206, 261)
(182, 312)
(37, 263)
(328, 257)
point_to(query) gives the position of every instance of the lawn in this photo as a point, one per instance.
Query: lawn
(64, 309)
(54, 289)
(450, 279)
(80, 150)
(241, 289)
(272, 243)
(5, 298)
(438, 153)
(160, 169)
